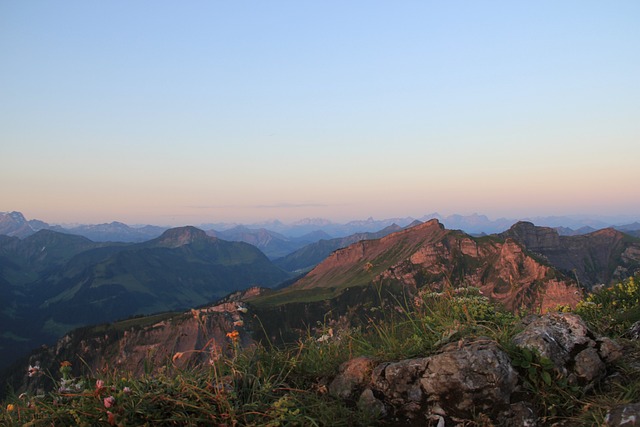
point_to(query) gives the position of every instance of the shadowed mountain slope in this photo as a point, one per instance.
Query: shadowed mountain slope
(87, 283)
(274, 245)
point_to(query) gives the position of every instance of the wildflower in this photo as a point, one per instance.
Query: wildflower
(109, 401)
(233, 335)
(111, 419)
(126, 390)
(10, 407)
(33, 370)
(65, 369)
(323, 338)
(99, 384)
(177, 356)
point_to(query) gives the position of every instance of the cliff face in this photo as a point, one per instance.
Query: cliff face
(357, 263)
(600, 257)
(429, 257)
(144, 345)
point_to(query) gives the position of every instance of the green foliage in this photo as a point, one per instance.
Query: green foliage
(550, 391)
(287, 385)
(612, 310)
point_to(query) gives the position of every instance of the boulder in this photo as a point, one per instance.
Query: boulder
(634, 331)
(399, 383)
(575, 351)
(469, 377)
(463, 379)
(475, 378)
(624, 416)
(371, 405)
(353, 376)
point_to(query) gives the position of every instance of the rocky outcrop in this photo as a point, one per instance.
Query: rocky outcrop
(463, 378)
(467, 377)
(624, 416)
(595, 258)
(146, 345)
(575, 351)
(475, 376)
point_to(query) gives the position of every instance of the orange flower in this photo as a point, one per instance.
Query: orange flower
(233, 335)
(65, 363)
(178, 355)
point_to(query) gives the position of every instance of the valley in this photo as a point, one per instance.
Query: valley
(57, 282)
(180, 296)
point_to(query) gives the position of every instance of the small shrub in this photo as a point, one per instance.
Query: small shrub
(612, 310)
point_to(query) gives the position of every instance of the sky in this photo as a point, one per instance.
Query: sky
(174, 113)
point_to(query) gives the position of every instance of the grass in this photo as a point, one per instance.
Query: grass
(271, 385)
(293, 296)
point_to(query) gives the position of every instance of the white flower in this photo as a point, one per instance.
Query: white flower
(34, 370)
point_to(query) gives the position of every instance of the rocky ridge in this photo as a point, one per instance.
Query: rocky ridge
(599, 257)
(429, 257)
(475, 376)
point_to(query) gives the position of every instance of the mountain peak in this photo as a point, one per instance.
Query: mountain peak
(14, 224)
(180, 236)
(432, 223)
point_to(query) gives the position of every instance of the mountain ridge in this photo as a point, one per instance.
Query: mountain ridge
(473, 224)
(88, 282)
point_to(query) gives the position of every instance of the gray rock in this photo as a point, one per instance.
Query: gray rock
(399, 382)
(555, 336)
(468, 378)
(608, 349)
(354, 375)
(624, 416)
(521, 414)
(634, 331)
(574, 350)
(369, 404)
(588, 366)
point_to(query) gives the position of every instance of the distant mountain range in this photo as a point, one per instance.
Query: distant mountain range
(53, 282)
(275, 237)
(274, 245)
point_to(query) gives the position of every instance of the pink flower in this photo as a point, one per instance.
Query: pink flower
(109, 401)
(126, 390)
(99, 384)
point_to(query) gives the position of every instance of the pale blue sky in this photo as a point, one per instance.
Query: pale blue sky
(188, 112)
